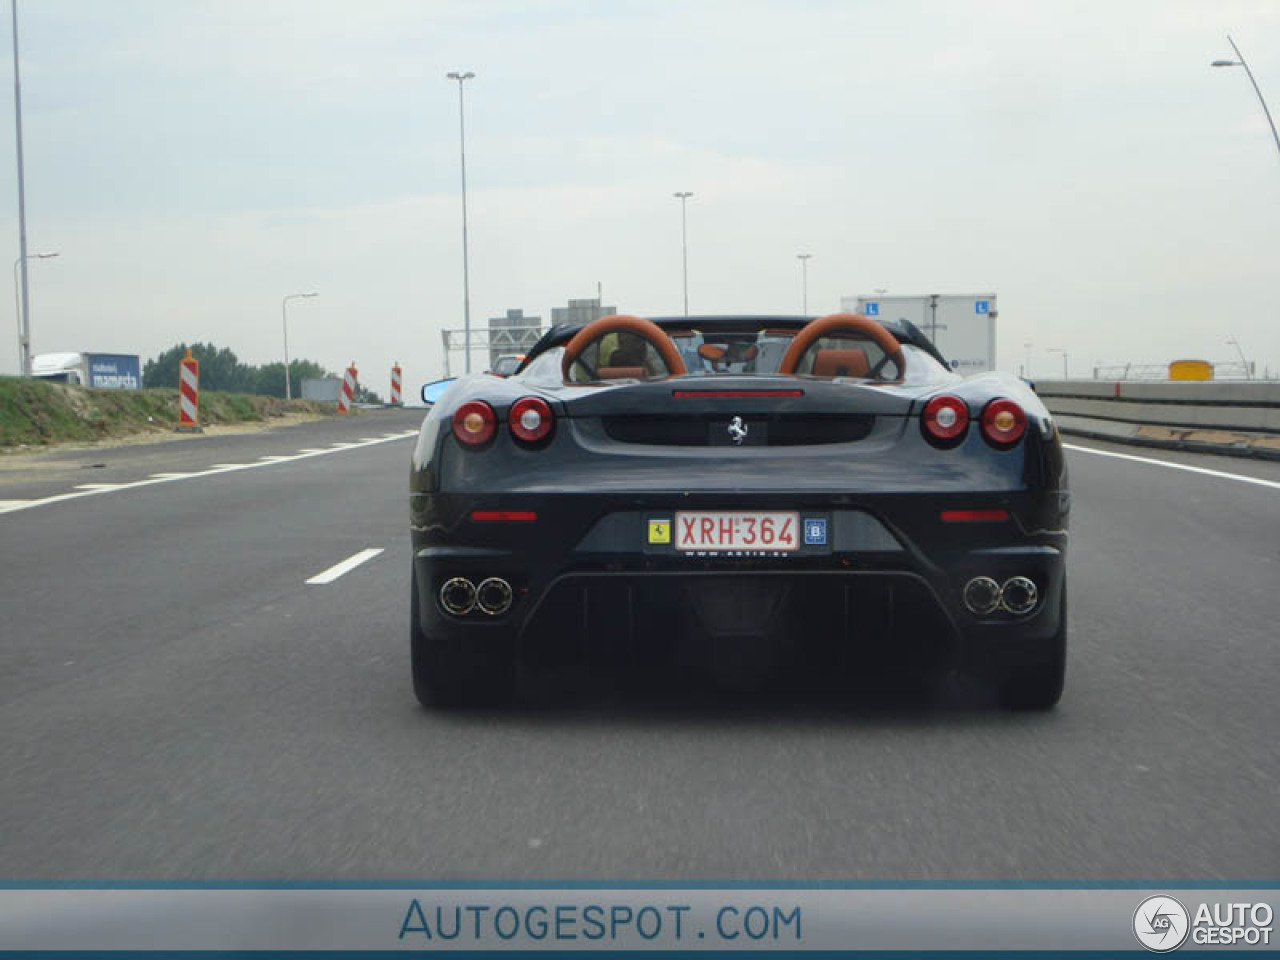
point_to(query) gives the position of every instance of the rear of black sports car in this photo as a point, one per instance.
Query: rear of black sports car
(738, 524)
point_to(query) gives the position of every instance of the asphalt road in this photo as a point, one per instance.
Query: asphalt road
(176, 702)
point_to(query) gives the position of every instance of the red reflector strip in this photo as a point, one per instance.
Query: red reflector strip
(974, 516)
(688, 394)
(503, 516)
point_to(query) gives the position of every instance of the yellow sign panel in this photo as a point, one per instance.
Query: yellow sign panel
(1190, 370)
(659, 531)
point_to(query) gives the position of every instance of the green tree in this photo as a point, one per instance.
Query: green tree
(365, 395)
(219, 369)
(268, 379)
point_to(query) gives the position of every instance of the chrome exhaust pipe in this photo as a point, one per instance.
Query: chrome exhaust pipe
(458, 596)
(982, 596)
(494, 596)
(1018, 596)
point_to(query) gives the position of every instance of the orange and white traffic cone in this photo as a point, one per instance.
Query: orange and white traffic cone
(189, 394)
(395, 386)
(348, 389)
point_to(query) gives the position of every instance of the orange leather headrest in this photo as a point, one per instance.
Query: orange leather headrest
(840, 363)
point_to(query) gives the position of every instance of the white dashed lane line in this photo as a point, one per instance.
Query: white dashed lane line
(218, 469)
(346, 566)
(1220, 474)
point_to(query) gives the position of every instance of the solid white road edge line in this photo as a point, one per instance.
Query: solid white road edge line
(215, 471)
(346, 566)
(1175, 466)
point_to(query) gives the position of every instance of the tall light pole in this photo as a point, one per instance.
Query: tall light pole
(1065, 374)
(1236, 343)
(284, 320)
(683, 196)
(466, 276)
(17, 307)
(24, 340)
(1240, 62)
(804, 281)
(1026, 370)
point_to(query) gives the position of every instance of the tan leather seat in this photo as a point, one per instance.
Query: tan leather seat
(841, 363)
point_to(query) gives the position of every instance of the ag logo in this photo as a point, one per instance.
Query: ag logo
(1161, 924)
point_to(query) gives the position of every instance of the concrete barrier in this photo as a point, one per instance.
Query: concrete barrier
(1237, 418)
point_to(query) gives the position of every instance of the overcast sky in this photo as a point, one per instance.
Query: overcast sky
(193, 162)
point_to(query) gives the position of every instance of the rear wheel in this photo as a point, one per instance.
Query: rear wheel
(446, 673)
(1033, 680)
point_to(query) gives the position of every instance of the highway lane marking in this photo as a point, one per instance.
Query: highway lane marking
(1176, 466)
(96, 486)
(346, 566)
(14, 506)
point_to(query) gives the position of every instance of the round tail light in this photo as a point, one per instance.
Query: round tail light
(1003, 423)
(945, 419)
(474, 423)
(531, 419)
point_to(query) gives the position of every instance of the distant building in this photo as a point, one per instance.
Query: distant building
(514, 333)
(580, 311)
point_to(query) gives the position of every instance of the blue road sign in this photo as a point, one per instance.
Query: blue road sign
(873, 309)
(981, 306)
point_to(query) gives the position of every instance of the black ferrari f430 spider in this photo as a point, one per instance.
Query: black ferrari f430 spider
(733, 491)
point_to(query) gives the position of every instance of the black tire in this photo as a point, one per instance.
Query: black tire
(446, 675)
(1034, 680)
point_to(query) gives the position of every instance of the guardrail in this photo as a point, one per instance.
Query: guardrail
(1238, 418)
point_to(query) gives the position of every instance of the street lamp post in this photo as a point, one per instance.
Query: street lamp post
(284, 320)
(1248, 374)
(466, 276)
(1065, 374)
(24, 349)
(1240, 62)
(1026, 370)
(24, 342)
(804, 280)
(683, 196)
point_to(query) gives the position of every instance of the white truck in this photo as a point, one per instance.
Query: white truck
(105, 371)
(961, 325)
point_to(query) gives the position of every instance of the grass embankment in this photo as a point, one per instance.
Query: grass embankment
(36, 413)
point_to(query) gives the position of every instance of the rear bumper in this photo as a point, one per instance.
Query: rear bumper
(890, 580)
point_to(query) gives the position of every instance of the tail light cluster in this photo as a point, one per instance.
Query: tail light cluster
(945, 422)
(530, 420)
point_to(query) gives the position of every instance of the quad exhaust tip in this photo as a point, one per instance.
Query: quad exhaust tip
(493, 596)
(1017, 595)
(982, 596)
(458, 596)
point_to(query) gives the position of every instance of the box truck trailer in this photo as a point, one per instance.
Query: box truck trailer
(961, 326)
(108, 371)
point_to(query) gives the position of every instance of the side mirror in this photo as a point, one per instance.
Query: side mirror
(432, 392)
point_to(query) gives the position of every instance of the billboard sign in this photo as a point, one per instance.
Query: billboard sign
(114, 371)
